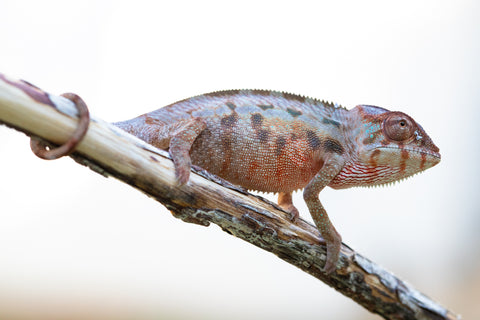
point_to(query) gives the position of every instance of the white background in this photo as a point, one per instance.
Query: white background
(75, 243)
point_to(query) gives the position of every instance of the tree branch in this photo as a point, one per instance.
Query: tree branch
(208, 199)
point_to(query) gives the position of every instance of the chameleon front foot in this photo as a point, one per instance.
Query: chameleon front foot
(333, 254)
(285, 202)
(292, 212)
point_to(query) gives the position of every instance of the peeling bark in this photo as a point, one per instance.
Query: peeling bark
(208, 199)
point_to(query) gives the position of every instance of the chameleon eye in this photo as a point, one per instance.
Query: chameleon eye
(398, 127)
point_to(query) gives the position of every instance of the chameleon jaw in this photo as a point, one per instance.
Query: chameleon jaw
(410, 149)
(383, 165)
(427, 158)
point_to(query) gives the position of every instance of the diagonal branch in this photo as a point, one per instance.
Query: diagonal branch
(207, 199)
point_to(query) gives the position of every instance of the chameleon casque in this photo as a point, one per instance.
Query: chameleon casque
(279, 142)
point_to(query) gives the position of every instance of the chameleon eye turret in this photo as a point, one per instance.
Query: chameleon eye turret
(399, 127)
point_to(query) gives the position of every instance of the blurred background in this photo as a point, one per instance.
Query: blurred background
(76, 245)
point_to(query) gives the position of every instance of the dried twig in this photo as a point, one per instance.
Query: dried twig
(206, 199)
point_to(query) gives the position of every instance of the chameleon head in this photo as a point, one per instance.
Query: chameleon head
(391, 146)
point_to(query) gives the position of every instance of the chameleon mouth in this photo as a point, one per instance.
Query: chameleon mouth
(435, 155)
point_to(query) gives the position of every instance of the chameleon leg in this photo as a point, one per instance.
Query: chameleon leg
(332, 238)
(285, 201)
(180, 144)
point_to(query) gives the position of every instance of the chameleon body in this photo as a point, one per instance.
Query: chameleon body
(278, 142)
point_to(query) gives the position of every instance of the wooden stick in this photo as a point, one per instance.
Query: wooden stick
(208, 199)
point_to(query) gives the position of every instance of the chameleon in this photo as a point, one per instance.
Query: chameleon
(278, 142)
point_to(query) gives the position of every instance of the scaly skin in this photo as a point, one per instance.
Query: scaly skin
(278, 142)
